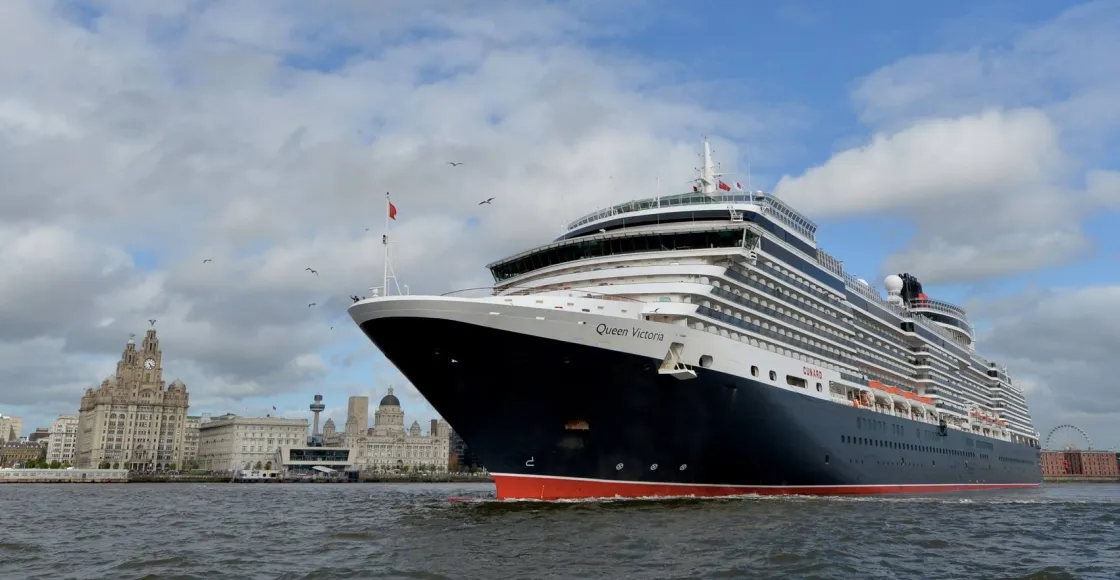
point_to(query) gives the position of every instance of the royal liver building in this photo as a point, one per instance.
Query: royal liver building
(133, 420)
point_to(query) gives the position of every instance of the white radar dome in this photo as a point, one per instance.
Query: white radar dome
(893, 284)
(862, 281)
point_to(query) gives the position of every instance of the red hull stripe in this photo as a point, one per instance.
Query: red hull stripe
(511, 486)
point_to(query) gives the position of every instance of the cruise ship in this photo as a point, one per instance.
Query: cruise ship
(702, 344)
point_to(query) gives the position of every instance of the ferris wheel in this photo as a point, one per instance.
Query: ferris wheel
(1068, 438)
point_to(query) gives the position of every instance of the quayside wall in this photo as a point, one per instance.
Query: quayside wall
(63, 476)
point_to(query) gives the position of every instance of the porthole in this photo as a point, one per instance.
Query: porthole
(618, 467)
(684, 466)
(706, 361)
(754, 371)
(819, 388)
(773, 376)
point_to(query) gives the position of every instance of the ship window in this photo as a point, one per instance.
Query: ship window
(580, 249)
(819, 388)
(706, 361)
(796, 382)
(754, 371)
(773, 376)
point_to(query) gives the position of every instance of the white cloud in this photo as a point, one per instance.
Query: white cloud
(230, 131)
(995, 155)
(933, 162)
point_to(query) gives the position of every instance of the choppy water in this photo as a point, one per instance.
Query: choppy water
(413, 531)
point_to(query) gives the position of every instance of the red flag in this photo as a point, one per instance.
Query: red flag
(724, 186)
(392, 211)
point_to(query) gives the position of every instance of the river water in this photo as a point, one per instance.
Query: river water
(458, 531)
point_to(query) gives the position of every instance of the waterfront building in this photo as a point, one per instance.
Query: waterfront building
(190, 442)
(306, 460)
(231, 443)
(134, 420)
(388, 445)
(357, 416)
(63, 439)
(40, 434)
(10, 428)
(331, 436)
(15, 453)
(1080, 464)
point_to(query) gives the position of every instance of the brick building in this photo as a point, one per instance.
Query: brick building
(1080, 463)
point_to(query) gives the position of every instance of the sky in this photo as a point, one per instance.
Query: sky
(976, 147)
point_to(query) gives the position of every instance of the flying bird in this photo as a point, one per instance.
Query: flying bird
(207, 260)
(316, 272)
(486, 201)
(453, 164)
(152, 321)
(310, 305)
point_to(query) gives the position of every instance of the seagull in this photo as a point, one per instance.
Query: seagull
(310, 305)
(486, 201)
(453, 164)
(316, 272)
(207, 260)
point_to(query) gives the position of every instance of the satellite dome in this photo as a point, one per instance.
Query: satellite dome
(893, 284)
(862, 281)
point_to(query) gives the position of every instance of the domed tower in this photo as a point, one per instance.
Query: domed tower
(389, 418)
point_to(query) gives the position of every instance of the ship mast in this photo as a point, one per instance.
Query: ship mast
(387, 271)
(708, 182)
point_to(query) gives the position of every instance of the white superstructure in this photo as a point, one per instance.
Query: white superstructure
(739, 279)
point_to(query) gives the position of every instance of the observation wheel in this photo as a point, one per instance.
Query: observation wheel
(1068, 438)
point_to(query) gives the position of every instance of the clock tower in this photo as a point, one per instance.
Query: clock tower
(133, 420)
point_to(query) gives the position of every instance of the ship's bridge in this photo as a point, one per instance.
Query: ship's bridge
(695, 206)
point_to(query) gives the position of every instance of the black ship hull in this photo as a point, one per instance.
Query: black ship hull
(552, 419)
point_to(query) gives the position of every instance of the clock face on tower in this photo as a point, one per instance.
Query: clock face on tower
(150, 364)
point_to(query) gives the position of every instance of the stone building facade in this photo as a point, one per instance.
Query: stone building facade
(10, 428)
(232, 443)
(63, 439)
(190, 442)
(133, 420)
(388, 445)
(17, 453)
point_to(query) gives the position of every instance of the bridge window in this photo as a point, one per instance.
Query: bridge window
(581, 248)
